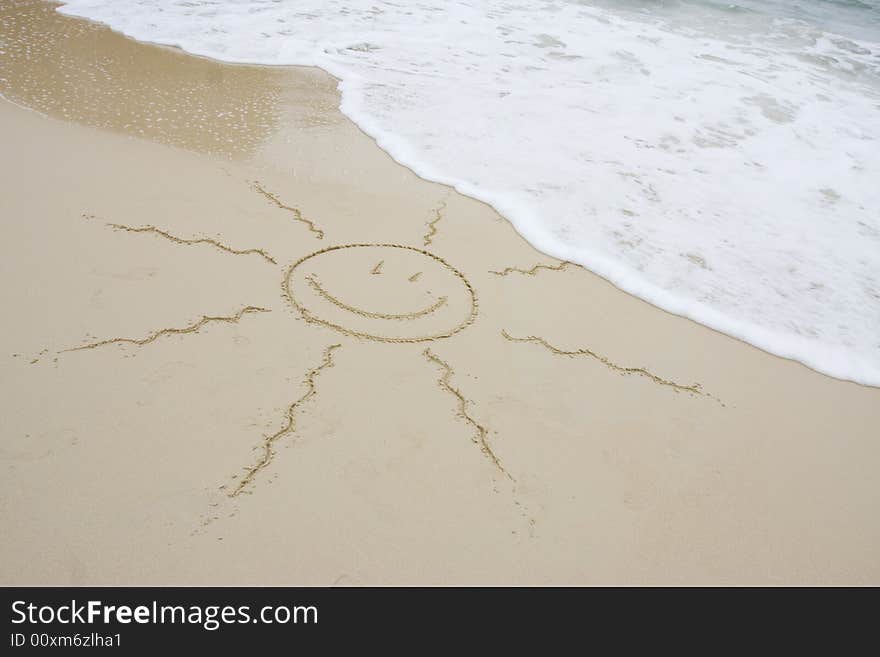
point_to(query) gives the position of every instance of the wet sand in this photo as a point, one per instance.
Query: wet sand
(250, 348)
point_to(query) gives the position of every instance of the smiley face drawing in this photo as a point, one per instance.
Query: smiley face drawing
(397, 303)
(380, 292)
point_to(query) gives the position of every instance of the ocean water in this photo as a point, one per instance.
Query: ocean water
(720, 160)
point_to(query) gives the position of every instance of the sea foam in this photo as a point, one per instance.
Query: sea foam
(720, 161)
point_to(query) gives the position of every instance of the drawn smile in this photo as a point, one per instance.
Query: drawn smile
(316, 286)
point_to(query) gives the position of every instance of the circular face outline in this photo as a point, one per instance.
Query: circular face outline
(309, 317)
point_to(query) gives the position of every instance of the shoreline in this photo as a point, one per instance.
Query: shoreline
(559, 437)
(789, 340)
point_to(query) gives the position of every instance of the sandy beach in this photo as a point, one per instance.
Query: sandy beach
(243, 345)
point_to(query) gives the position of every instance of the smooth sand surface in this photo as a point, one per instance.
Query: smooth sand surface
(305, 365)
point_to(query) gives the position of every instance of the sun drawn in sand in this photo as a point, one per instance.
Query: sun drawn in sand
(396, 307)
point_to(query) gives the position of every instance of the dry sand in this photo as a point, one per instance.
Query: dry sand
(436, 410)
